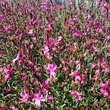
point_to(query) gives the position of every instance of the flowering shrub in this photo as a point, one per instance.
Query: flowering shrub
(54, 57)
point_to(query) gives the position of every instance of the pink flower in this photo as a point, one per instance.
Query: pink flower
(1, 52)
(50, 98)
(56, 18)
(96, 79)
(54, 48)
(50, 42)
(31, 31)
(52, 69)
(13, 108)
(24, 78)
(23, 73)
(66, 69)
(46, 84)
(105, 85)
(107, 69)
(60, 38)
(10, 70)
(70, 62)
(78, 96)
(64, 83)
(30, 64)
(77, 78)
(93, 65)
(89, 42)
(103, 64)
(84, 80)
(7, 70)
(107, 7)
(21, 62)
(46, 51)
(71, 2)
(100, 3)
(108, 97)
(44, 7)
(88, 16)
(75, 46)
(38, 98)
(97, 71)
(7, 77)
(24, 96)
(79, 33)
(36, 21)
(95, 40)
(17, 58)
(87, 28)
(45, 91)
(104, 92)
(105, 89)
(94, 48)
(37, 68)
(90, 22)
(31, 46)
(74, 73)
(96, 23)
(74, 20)
(108, 37)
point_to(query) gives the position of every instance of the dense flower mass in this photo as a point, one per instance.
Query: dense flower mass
(54, 55)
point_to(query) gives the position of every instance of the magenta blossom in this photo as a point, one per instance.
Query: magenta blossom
(50, 42)
(17, 58)
(100, 3)
(74, 20)
(108, 37)
(14, 108)
(46, 84)
(52, 69)
(77, 78)
(78, 96)
(46, 52)
(97, 71)
(74, 73)
(24, 96)
(45, 91)
(97, 23)
(7, 70)
(104, 92)
(93, 65)
(50, 98)
(103, 64)
(38, 98)
(94, 48)
(31, 31)
(7, 76)
(105, 89)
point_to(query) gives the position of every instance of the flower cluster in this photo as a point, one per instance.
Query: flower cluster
(105, 89)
